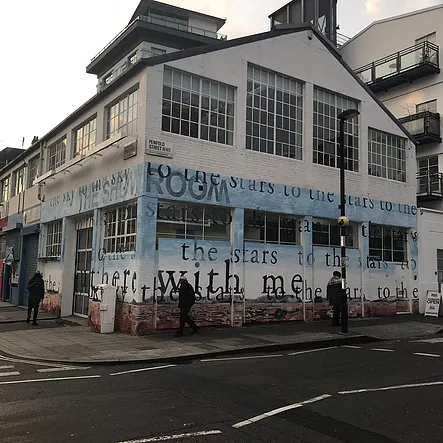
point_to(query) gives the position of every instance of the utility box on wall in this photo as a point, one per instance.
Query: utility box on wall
(107, 308)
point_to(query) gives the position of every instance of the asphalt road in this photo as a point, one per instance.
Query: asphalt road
(387, 392)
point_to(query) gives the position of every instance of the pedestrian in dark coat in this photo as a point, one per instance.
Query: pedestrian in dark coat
(36, 288)
(334, 295)
(186, 299)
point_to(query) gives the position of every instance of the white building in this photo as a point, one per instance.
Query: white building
(219, 160)
(404, 71)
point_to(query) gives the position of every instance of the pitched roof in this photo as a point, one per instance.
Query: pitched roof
(217, 46)
(390, 19)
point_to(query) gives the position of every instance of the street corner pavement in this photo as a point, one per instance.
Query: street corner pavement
(58, 341)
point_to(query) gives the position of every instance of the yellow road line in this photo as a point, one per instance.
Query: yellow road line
(40, 363)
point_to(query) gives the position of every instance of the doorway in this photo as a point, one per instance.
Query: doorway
(82, 278)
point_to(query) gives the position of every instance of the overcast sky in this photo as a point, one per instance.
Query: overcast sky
(45, 48)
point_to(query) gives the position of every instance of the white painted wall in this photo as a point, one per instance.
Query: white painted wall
(319, 67)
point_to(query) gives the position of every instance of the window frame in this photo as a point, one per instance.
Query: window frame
(33, 164)
(264, 228)
(59, 147)
(188, 214)
(352, 238)
(278, 111)
(198, 107)
(114, 218)
(392, 230)
(426, 106)
(7, 180)
(326, 126)
(380, 150)
(53, 241)
(129, 101)
(91, 122)
(18, 181)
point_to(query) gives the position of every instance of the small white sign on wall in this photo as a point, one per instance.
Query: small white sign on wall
(433, 301)
(159, 148)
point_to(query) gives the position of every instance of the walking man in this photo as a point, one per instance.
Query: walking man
(186, 299)
(334, 296)
(36, 288)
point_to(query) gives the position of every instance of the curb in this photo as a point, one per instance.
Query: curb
(9, 322)
(184, 359)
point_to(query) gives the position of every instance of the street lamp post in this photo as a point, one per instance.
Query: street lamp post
(344, 116)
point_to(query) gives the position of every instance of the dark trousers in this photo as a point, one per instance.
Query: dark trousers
(336, 316)
(184, 318)
(32, 304)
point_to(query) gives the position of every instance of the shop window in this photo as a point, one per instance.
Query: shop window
(191, 221)
(268, 227)
(120, 229)
(54, 239)
(388, 243)
(326, 232)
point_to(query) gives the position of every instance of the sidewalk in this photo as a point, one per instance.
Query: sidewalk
(60, 341)
(15, 314)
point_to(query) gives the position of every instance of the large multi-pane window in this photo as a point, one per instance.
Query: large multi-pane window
(429, 178)
(326, 232)
(57, 154)
(2, 247)
(326, 149)
(33, 167)
(5, 190)
(85, 137)
(120, 229)
(18, 181)
(191, 221)
(387, 155)
(268, 227)
(388, 243)
(122, 116)
(274, 113)
(54, 239)
(197, 107)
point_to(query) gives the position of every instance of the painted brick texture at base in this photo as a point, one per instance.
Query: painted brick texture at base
(52, 303)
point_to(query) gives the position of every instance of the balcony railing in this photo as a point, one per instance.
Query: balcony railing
(168, 24)
(401, 67)
(424, 126)
(429, 186)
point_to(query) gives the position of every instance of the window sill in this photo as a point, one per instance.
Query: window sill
(46, 259)
(188, 137)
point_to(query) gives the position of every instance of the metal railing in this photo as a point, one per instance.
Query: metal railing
(424, 123)
(430, 184)
(342, 39)
(168, 24)
(414, 56)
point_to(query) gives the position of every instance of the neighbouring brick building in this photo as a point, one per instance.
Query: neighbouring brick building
(217, 159)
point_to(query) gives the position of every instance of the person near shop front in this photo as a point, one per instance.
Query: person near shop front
(186, 300)
(334, 296)
(36, 288)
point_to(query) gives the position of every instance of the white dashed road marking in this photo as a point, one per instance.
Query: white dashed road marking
(57, 369)
(142, 370)
(6, 367)
(313, 350)
(351, 347)
(9, 374)
(241, 358)
(279, 411)
(39, 380)
(174, 437)
(427, 355)
(391, 388)
(382, 350)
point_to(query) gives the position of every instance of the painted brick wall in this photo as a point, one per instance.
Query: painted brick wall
(319, 68)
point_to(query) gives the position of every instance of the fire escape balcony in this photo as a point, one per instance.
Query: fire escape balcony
(402, 67)
(429, 186)
(424, 126)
